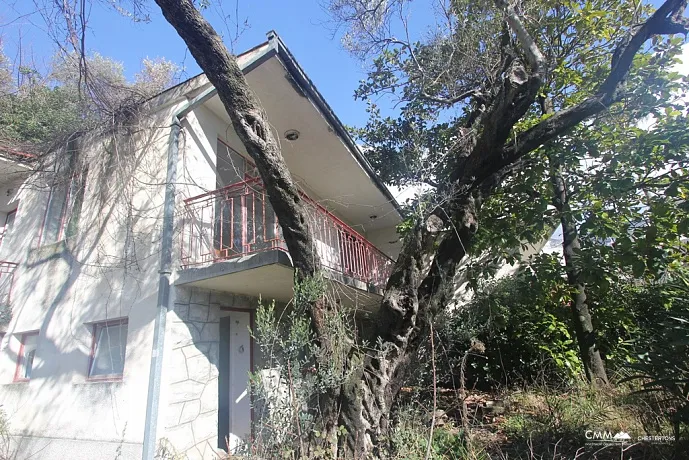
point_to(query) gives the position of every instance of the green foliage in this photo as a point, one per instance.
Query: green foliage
(626, 184)
(35, 115)
(42, 109)
(661, 365)
(617, 173)
(410, 435)
(523, 321)
(294, 374)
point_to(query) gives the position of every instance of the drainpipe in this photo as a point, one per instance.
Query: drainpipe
(166, 245)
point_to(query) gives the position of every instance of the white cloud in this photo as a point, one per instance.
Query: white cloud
(408, 192)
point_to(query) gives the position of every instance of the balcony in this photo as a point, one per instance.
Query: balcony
(6, 281)
(237, 225)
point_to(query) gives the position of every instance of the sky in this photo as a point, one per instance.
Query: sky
(303, 25)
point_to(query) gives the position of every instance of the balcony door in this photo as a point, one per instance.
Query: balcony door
(245, 222)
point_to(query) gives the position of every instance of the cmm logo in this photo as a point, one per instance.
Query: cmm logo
(594, 435)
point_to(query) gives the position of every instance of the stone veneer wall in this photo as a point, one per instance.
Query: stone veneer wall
(191, 415)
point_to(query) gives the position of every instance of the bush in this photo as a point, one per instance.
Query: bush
(409, 437)
(662, 365)
(523, 321)
(286, 391)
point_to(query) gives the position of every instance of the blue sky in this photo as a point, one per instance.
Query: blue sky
(303, 25)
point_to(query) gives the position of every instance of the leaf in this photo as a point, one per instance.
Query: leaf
(638, 268)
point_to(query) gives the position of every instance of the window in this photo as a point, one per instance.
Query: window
(108, 350)
(9, 223)
(6, 280)
(65, 200)
(233, 167)
(27, 352)
(9, 220)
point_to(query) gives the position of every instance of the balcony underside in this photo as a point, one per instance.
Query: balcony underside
(269, 274)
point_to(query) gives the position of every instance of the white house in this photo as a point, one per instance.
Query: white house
(133, 266)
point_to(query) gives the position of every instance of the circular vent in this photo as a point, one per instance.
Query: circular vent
(291, 134)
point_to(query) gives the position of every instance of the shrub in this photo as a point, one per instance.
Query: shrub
(662, 365)
(523, 321)
(287, 390)
(409, 437)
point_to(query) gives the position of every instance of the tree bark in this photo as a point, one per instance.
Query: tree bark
(581, 316)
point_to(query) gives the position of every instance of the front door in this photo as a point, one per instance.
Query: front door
(236, 361)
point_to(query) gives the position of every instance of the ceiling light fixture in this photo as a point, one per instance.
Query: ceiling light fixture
(291, 134)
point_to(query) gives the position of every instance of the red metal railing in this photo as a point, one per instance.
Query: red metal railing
(238, 220)
(6, 281)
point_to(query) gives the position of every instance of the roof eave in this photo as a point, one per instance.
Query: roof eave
(312, 92)
(278, 48)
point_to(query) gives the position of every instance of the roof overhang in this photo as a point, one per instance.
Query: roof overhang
(325, 160)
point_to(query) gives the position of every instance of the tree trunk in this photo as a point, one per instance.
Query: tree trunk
(581, 316)
(410, 298)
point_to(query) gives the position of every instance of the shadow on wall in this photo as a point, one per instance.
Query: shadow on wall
(108, 269)
(202, 394)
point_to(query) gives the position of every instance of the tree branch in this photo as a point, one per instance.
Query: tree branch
(449, 100)
(667, 20)
(533, 53)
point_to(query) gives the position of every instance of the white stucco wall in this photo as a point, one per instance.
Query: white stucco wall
(108, 270)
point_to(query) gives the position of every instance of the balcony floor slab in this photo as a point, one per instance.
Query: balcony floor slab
(269, 275)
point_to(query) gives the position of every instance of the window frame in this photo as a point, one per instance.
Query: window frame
(94, 344)
(72, 174)
(66, 209)
(20, 356)
(7, 217)
(5, 231)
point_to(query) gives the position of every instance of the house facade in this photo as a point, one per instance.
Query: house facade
(133, 264)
